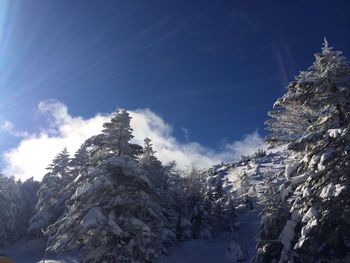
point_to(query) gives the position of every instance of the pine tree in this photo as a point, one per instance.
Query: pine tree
(171, 193)
(29, 189)
(153, 167)
(167, 183)
(114, 215)
(231, 214)
(195, 191)
(319, 202)
(274, 216)
(80, 159)
(289, 121)
(148, 152)
(218, 191)
(51, 198)
(243, 190)
(114, 139)
(12, 211)
(60, 166)
(219, 202)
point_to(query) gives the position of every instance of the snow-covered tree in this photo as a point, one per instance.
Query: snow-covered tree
(12, 210)
(318, 182)
(51, 198)
(114, 139)
(219, 201)
(79, 160)
(60, 166)
(289, 121)
(173, 201)
(115, 215)
(195, 195)
(218, 190)
(29, 189)
(185, 203)
(274, 215)
(148, 152)
(231, 214)
(153, 167)
(243, 191)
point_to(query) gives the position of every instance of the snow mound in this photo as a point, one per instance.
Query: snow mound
(310, 214)
(334, 133)
(291, 168)
(235, 253)
(331, 190)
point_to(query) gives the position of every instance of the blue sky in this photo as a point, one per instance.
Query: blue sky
(212, 67)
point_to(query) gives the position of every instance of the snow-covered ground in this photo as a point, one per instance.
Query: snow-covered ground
(33, 251)
(216, 250)
(249, 223)
(254, 169)
(204, 251)
(200, 250)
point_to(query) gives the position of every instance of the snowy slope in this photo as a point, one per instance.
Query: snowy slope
(255, 167)
(245, 236)
(198, 250)
(33, 251)
(216, 250)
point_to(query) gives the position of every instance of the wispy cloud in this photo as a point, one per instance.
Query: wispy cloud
(186, 134)
(9, 127)
(35, 151)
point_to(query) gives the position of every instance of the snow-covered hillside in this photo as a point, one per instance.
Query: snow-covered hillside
(33, 251)
(252, 170)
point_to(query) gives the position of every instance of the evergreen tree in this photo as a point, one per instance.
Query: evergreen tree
(231, 214)
(218, 191)
(12, 210)
(316, 191)
(114, 139)
(80, 159)
(274, 216)
(148, 152)
(153, 167)
(243, 191)
(114, 215)
(60, 166)
(167, 183)
(219, 202)
(51, 198)
(29, 189)
(199, 218)
(289, 121)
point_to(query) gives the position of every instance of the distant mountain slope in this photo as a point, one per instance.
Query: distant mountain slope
(251, 168)
(245, 180)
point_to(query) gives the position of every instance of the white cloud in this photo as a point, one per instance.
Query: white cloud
(9, 127)
(247, 146)
(35, 151)
(186, 134)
